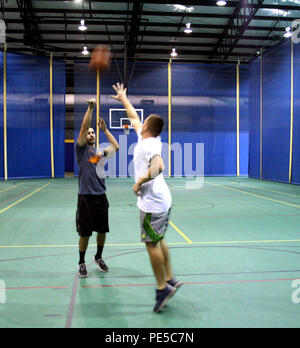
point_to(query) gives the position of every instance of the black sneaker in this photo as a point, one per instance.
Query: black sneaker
(162, 297)
(103, 267)
(175, 283)
(82, 272)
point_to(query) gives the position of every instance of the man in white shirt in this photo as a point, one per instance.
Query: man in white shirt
(154, 197)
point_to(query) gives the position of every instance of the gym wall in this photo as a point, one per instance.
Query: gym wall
(274, 114)
(28, 136)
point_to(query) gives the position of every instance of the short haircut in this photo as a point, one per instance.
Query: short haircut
(156, 124)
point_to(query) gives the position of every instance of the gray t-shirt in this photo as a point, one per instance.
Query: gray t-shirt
(87, 160)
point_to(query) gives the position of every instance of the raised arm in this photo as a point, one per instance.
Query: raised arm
(122, 97)
(114, 144)
(86, 123)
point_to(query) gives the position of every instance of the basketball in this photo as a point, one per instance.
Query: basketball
(100, 59)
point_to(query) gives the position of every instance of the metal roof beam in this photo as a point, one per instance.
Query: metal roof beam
(134, 28)
(202, 3)
(146, 33)
(124, 14)
(121, 43)
(165, 52)
(32, 36)
(237, 25)
(101, 22)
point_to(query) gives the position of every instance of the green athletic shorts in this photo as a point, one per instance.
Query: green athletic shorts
(154, 226)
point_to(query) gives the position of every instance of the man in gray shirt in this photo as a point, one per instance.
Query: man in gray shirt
(92, 207)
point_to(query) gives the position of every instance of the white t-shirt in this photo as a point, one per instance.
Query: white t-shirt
(155, 195)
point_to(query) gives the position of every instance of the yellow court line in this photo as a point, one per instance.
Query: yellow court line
(181, 233)
(254, 195)
(10, 188)
(251, 241)
(22, 199)
(142, 244)
(261, 188)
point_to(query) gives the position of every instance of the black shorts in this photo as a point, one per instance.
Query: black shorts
(92, 214)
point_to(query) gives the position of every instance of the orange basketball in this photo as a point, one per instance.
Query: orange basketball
(100, 59)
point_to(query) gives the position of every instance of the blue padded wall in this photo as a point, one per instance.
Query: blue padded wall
(28, 117)
(28, 134)
(204, 111)
(276, 112)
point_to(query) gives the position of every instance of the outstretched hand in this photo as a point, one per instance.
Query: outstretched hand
(92, 103)
(102, 125)
(120, 92)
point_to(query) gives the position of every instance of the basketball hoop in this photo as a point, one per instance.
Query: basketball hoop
(126, 129)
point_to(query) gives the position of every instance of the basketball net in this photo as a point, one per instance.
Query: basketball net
(126, 129)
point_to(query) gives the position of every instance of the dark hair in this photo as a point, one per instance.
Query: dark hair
(156, 125)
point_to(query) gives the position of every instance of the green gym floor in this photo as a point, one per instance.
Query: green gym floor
(235, 243)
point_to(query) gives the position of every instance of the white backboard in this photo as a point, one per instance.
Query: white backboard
(118, 118)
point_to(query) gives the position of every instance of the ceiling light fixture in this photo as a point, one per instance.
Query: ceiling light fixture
(188, 28)
(85, 51)
(82, 26)
(174, 53)
(221, 3)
